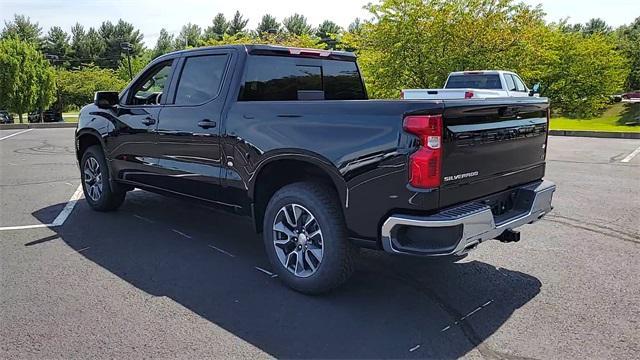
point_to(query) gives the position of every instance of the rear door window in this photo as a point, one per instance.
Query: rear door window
(276, 78)
(201, 79)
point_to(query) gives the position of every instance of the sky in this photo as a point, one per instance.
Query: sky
(151, 15)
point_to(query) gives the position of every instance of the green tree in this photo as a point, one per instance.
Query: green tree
(56, 43)
(217, 30)
(26, 80)
(22, 28)
(86, 46)
(327, 28)
(594, 26)
(629, 39)
(189, 36)
(328, 32)
(296, 24)
(355, 26)
(113, 36)
(77, 87)
(164, 44)
(282, 39)
(237, 24)
(579, 73)
(416, 44)
(268, 24)
(137, 64)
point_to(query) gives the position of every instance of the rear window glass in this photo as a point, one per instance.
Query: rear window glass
(474, 81)
(272, 78)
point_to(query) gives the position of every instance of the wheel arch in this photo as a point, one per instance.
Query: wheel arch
(286, 168)
(86, 138)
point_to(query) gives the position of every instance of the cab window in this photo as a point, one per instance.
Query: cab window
(201, 79)
(511, 86)
(148, 90)
(519, 84)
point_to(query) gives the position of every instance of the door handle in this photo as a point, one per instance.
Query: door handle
(148, 121)
(207, 124)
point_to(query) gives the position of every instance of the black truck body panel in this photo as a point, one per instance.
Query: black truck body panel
(359, 144)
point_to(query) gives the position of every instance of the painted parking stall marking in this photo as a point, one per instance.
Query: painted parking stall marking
(15, 134)
(631, 156)
(59, 220)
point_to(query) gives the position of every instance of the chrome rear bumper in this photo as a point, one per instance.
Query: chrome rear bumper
(475, 218)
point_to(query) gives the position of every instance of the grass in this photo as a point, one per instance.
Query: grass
(70, 117)
(612, 120)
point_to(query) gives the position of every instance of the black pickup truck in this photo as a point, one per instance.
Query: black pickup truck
(288, 138)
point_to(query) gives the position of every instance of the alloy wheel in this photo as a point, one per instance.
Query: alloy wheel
(93, 178)
(298, 240)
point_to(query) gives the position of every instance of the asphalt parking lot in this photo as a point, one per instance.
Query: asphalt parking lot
(166, 278)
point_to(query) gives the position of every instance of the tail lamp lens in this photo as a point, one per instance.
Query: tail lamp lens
(425, 164)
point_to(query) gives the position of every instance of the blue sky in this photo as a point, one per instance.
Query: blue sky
(151, 15)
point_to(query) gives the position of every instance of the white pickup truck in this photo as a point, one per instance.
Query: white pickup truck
(475, 84)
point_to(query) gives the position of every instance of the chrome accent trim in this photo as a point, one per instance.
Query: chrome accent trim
(476, 218)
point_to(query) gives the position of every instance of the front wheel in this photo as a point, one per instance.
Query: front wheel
(95, 181)
(306, 239)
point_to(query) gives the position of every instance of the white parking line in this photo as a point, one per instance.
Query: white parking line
(59, 220)
(14, 134)
(64, 214)
(222, 251)
(264, 271)
(631, 156)
(181, 233)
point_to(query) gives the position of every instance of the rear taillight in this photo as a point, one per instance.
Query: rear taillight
(468, 94)
(425, 164)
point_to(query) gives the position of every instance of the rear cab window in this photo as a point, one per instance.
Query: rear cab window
(474, 81)
(282, 78)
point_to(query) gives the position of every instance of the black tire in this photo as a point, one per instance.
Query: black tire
(337, 262)
(109, 199)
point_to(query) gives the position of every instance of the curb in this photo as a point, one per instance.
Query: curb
(57, 125)
(596, 134)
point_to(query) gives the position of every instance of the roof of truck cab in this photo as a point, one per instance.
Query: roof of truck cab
(478, 72)
(264, 49)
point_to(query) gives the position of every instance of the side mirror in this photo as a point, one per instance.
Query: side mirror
(535, 90)
(106, 99)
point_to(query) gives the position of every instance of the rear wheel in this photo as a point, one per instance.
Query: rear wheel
(96, 181)
(305, 238)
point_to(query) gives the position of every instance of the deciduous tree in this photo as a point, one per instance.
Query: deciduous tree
(26, 80)
(77, 87)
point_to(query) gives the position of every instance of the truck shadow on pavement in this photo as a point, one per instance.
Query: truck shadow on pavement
(393, 307)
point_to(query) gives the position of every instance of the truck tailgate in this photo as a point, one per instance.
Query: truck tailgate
(490, 146)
